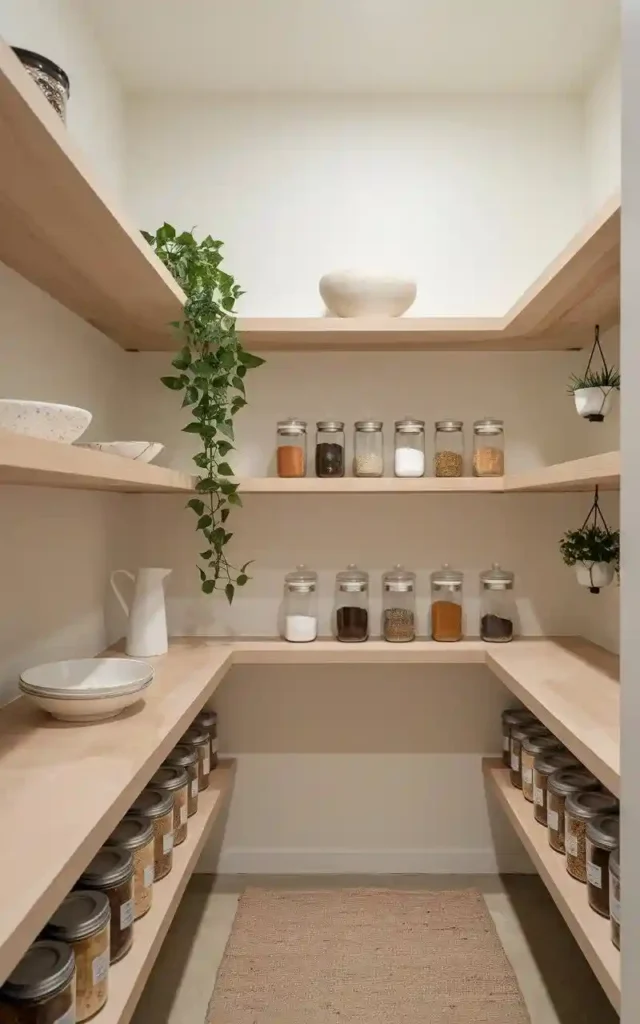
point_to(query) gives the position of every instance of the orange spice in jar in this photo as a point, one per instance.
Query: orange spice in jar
(446, 604)
(291, 452)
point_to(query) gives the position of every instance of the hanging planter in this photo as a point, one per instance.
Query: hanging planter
(593, 392)
(594, 550)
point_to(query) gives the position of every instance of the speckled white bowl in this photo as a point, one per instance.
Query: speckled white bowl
(46, 420)
(141, 451)
(350, 293)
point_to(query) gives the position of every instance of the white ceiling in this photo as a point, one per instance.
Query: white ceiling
(361, 46)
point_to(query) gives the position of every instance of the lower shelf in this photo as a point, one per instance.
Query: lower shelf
(127, 978)
(591, 932)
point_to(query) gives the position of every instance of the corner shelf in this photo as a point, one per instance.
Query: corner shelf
(577, 475)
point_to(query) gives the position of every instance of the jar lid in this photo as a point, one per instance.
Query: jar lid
(134, 831)
(303, 580)
(83, 912)
(604, 831)
(368, 426)
(352, 579)
(448, 426)
(207, 718)
(170, 776)
(539, 743)
(45, 969)
(111, 866)
(526, 729)
(518, 716)
(292, 426)
(447, 577)
(36, 60)
(182, 754)
(153, 803)
(329, 426)
(548, 762)
(409, 426)
(614, 863)
(571, 780)
(587, 804)
(195, 736)
(398, 580)
(496, 578)
(488, 426)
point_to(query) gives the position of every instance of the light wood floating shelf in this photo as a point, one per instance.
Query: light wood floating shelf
(591, 932)
(374, 485)
(61, 231)
(577, 475)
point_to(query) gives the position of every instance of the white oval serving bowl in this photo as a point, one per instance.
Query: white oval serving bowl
(350, 293)
(47, 420)
(141, 451)
(86, 689)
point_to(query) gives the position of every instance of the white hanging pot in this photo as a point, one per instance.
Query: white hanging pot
(594, 575)
(593, 403)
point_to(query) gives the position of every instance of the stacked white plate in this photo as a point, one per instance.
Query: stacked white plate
(86, 689)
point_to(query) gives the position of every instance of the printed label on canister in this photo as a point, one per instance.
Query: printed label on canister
(167, 842)
(553, 820)
(126, 914)
(149, 875)
(194, 788)
(614, 909)
(538, 796)
(527, 776)
(594, 875)
(67, 1018)
(100, 967)
(570, 843)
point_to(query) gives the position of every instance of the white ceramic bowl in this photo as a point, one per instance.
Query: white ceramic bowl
(47, 420)
(141, 451)
(350, 293)
(86, 689)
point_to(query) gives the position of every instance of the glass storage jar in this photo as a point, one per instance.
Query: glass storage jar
(446, 604)
(519, 733)
(488, 448)
(329, 448)
(199, 739)
(497, 605)
(186, 757)
(408, 459)
(510, 718)
(603, 837)
(561, 784)
(111, 872)
(449, 448)
(579, 809)
(208, 720)
(543, 767)
(82, 921)
(531, 746)
(135, 834)
(615, 897)
(157, 805)
(52, 81)
(175, 780)
(41, 988)
(352, 605)
(291, 451)
(398, 605)
(300, 606)
(368, 448)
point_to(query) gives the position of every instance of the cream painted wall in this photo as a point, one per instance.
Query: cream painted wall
(603, 133)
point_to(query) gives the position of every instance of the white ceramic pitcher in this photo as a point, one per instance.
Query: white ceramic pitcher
(147, 633)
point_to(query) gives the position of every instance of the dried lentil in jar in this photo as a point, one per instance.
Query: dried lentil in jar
(41, 988)
(135, 834)
(208, 720)
(186, 757)
(614, 897)
(199, 739)
(561, 784)
(543, 767)
(449, 448)
(111, 872)
(531, 746)
(399, 605)
(603, 837)
(512, 717)
(157, 805)
(579, 809)
(175, 781)
(82, 921)
(519, 733)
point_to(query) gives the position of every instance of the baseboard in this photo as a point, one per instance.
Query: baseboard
(278, 861)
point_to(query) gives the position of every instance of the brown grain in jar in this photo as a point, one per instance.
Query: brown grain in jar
(543, 767)
(510, 718)
(561, 784)
(82, 921)
(199, 739)
(41, 988)
(208, 720)
(111, 872)
(531, 746)
(518, 734)
(579, 809)
(175, 780)
(603, 837)
(157, 805)
(615, 897)
(135, 834)
(186, 757)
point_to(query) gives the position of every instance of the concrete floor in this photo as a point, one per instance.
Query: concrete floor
(556, 981)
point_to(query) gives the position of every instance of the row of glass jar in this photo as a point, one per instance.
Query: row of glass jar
(399, 619)
(580, 815)
(64, 976)
(409, 458)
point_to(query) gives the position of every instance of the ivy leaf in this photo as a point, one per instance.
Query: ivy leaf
(208, 586)
(237, 404)
(242, 371)
(226, 428)
(190, 396)
(201, 460)
(249, 360)
(229, 591)
(203, 574)
(206, 555)
(204, 522)
(235, 499)
(192, 428)
(173, 383)
(241, 580)
(227, 359)
(224, 515)
(227, 537)
(224, 448)
(165, 234)
(227, 487)
(203, 368)
(186, 238)
(196, 505)
(224, 469)
(246, 564)
(206, 486)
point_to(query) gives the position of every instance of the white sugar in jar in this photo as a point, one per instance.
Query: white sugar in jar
(300, 629)
(409, 459)
(299, 622)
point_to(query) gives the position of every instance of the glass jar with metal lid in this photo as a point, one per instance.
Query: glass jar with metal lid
(352, 605)
(368, 448)
(399, 605)
(175, 780)
(291, 451)
(111, 872)
(135, 834)
(157, 806)
(543, 767)
(512, 717)
(488, 448)
(52, 81)
(329, 448)
(199, 739)
(300, 606)
(448, 459)
(187, 757)
(561, 785)
(519, 733)
(603, 837)
(615, 897)
(82, 920)
(580, 809)
(497, 605)
(532, 745)
(409, 458)
(41, 988)
(446, 604)
(208, 719)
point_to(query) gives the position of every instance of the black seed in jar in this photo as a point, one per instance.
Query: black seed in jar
(329, 459)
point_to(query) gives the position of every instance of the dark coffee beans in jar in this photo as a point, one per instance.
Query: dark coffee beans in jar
(352, 624)
(135, 834)
(560, 785)
(532, 746)
(111, 872)
(199, 739)
(82, 921)
(579, 809)
(614, 897)
(510, 718)
(157, 806)
(186, 757)
(518, 734)
(208, 720)
(603, 837)
(330, 448)
(41, 988)
(175, 781)
(543, 767)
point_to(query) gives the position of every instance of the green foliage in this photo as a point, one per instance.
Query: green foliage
(591, 544)
(607, 377)
(211, 367)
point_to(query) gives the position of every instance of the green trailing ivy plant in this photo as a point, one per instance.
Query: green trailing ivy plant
(211, 369)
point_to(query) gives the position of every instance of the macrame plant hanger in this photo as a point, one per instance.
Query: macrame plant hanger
(595, 514)
(597, 417)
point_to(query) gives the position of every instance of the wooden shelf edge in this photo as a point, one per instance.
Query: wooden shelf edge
(576, 475)
(128, 978)
(591, 932)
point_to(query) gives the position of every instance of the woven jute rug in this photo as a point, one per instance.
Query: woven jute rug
(365, 956)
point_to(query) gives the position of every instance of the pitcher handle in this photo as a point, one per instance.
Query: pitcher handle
(121, 599)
